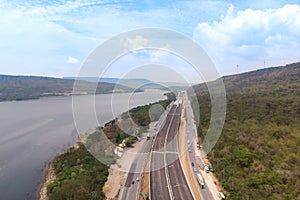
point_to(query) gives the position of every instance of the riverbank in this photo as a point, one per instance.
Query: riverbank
(48, 179)
(50, 176)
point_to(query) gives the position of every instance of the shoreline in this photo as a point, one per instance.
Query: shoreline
(41, 96)
(49, 177)
(49, 174)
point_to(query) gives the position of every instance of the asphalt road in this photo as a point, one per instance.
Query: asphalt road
(167, 180)
(130, 190)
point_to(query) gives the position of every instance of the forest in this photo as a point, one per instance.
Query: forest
(258, 153)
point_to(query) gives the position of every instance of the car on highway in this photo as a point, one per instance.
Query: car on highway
(222, 196)
(211, 167)
(206, 169)
(195, 169)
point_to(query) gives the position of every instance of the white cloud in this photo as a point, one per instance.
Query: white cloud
(249, 36)
(72, 60)
(137, 42)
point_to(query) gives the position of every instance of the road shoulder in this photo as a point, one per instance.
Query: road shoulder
(184, 157)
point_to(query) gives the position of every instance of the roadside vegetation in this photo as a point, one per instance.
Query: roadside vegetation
(79, 174)
(258, 153)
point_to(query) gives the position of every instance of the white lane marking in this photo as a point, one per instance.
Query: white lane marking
(165, 152)
(165, 160)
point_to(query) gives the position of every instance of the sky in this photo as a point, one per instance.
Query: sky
(54, 38)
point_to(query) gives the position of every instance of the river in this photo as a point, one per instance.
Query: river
(33, 132)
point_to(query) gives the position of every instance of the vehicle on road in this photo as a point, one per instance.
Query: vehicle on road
(193, 164)
(132, 182)
(222, 196)
(211, 167)
(206, 169)
(200, 180)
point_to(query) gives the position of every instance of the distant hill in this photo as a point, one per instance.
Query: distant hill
(135, 83)
(262, 79)
(34, 87)
(257, 155)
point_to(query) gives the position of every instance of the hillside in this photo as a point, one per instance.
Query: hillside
(273, 78)
(136, 83)
(258, 153)
(34, 87)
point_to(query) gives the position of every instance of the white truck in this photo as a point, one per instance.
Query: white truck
(222, 196)
(206, 169)
(200, 180)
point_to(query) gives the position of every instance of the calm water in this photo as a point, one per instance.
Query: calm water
(33, 132)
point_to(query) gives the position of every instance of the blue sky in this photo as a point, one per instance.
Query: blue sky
(53, 38)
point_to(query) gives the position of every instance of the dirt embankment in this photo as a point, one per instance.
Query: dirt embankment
(114, 182)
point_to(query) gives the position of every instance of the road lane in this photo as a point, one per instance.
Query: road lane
(177, 178)
(130, 191)
(158, 179)
(166, 145)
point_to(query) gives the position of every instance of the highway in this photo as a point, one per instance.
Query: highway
(131, 191)
(167, 180)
